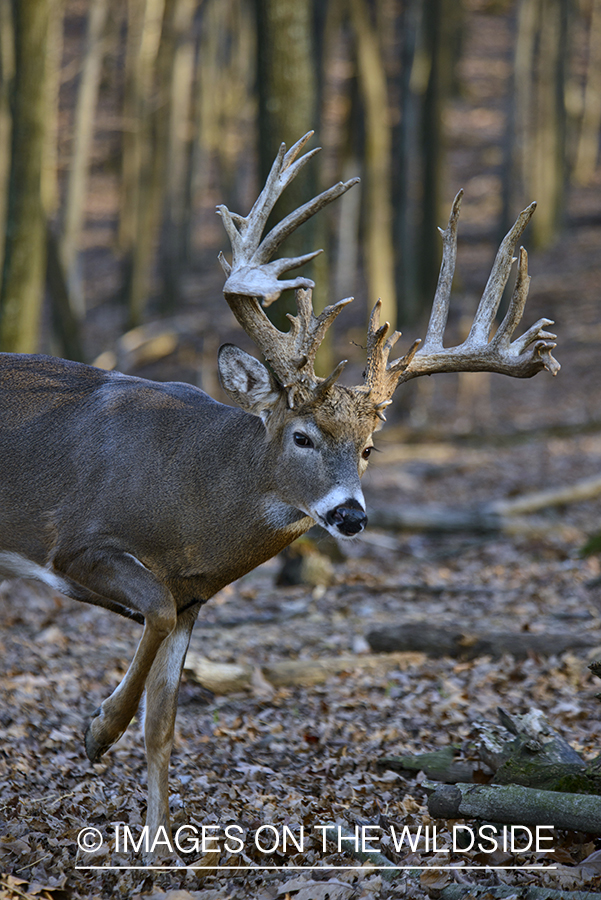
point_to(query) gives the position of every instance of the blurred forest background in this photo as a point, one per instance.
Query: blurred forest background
(122, 124)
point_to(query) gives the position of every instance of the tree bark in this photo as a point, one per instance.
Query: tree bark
(588, 141)
(287, 94)
(537, 165)
(83, 130)
(460, 642)
(224, 678)
(7, 74)
(514, 804)
(174, 238)
(524, 892)
(25, 246)
(378, 161)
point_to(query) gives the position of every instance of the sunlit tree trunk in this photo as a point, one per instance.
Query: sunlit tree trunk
(175, 215)
(7, 74)
(588, 142)
(144, 26)
(25, 248)
(430, 33)
(378, 160)
(83, 131)
(538, 153)
(287, 89)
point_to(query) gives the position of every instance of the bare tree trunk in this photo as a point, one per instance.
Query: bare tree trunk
(538, 168)
(407, 175)
(54, 56)
(7, 74)
(378, 159)
(143, 36)
(430, 49)
(287, 108)
(174, 241)
(158, 29)
(588, 142)
(25, 249)
(83, 130)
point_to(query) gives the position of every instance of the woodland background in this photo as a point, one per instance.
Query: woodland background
(122, 125)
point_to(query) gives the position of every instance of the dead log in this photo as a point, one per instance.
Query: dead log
(524, 750)
(434, 518)
(439, 765)
(539, 757)
(585, 489)
(493, 516)
(524, 768)
(458, 642)
(515, 805)
(530, 735)
(225, 678)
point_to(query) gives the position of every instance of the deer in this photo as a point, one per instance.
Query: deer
(146, 498)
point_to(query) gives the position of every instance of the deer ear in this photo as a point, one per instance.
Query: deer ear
(246, 381)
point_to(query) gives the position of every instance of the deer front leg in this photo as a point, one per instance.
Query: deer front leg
(162, 688)
(123, 578)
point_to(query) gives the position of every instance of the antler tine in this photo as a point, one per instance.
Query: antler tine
(295, 219)
(296, 149)
(520, 358)
(514, 314)
(245, 232)
(307, 330)
(442, 298)
(489, 304)
(381, 378)
(544, 339)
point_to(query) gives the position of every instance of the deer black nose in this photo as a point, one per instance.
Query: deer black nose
(349, 517)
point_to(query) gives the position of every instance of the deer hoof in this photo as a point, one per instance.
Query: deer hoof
(95, 747)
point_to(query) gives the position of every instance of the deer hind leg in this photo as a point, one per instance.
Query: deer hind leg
(122, 578)
(162, 688)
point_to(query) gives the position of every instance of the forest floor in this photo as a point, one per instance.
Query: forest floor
(303, 756)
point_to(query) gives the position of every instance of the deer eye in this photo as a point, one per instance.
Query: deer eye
(366, 453)
(302, 440)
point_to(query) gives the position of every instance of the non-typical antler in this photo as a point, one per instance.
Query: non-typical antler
(251, 278)
(253, 282)
(521, 358)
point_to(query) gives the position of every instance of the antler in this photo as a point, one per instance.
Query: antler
(521, 358)
(251, 278)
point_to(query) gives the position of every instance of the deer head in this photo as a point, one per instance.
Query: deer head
(303, 412)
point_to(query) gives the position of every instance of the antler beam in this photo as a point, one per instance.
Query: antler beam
(520, 358)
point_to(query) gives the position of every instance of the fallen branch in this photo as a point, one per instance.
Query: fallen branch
(584, 489)
(538, 757)
(457, 641)
(529, 736)
(515, 805)
(225, 678)
(491, 517)
(440, 765)
(524, 750)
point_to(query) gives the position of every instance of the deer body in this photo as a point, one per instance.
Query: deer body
(196, 491)
(147, 498)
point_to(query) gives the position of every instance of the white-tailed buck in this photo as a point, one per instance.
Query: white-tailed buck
(147, 498)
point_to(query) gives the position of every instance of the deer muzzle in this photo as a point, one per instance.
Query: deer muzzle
(349, 517)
